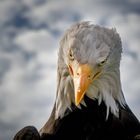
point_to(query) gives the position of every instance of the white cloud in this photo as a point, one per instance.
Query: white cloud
(127, 25)
(130, 82)
(5, 7)
(28, 88)
(19, 90)
(35, 40)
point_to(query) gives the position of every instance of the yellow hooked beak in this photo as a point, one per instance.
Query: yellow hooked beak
(82, 76)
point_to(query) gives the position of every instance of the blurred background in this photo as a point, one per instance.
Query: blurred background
(30, 31)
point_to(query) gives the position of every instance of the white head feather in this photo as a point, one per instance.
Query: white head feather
(91, 44)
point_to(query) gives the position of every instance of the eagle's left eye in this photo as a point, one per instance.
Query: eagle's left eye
(102, 62)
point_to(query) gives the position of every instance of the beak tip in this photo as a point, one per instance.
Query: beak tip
(76, 103)
(78, 97)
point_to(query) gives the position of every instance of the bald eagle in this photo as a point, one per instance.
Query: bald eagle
(89, 104)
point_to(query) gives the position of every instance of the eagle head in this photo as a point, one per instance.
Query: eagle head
(88, 64)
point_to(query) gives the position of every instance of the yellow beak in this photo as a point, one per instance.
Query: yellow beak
(82, 79)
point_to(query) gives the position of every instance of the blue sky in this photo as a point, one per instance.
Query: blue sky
(30, 31)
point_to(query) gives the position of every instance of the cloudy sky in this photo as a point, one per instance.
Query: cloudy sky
(30, 31)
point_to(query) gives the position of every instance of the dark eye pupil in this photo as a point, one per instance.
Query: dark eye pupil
(70, 55)
(102, 62)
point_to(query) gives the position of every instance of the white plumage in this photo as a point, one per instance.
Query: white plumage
(91, 44)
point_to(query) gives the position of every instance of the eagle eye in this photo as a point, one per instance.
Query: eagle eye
(102, 62)
(71, 57)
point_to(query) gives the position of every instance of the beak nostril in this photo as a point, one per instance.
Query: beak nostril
(89, 76)
(78, 74)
